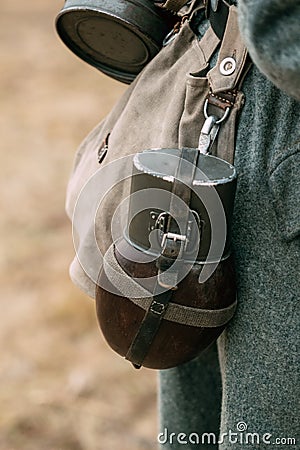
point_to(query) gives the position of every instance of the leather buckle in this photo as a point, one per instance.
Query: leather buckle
(174, 244)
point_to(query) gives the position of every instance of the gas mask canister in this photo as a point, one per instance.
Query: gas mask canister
(118, 37)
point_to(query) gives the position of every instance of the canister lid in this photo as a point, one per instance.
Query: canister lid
(119, 38)
(163, 163)
(210, 204)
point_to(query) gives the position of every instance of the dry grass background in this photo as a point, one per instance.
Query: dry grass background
(61, 388)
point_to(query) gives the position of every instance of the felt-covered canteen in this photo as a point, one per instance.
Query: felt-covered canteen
(159, 257)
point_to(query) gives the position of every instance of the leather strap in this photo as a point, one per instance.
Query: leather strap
(177, 220)
(148, 328)
(172, 251)
(141, 297)
(217, 13)
(233, 47)
(225, 85)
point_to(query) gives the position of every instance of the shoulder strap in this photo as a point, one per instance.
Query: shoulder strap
(217, 13)
(228, 71)
(225, 99)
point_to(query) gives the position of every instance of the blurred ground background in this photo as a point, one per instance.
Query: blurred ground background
(61, 388)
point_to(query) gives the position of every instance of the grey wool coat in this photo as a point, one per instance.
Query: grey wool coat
(250, 384)
(254, 386)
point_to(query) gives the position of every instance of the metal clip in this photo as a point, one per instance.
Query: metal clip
(210, 129)
(208, 134)
(170, 37)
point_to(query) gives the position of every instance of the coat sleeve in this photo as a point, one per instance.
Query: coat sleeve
(271, 31)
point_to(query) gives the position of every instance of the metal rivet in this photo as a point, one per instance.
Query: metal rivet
(227, 66)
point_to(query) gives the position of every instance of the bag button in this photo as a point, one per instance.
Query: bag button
(227, 66)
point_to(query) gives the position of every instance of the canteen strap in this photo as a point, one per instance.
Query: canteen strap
(141, 297)
(171, 259)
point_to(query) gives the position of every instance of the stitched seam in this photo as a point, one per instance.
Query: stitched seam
(223, 99)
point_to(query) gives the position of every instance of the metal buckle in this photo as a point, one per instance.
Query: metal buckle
(175, 237)
(224, 117)
(157, 308)
(158, 221)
